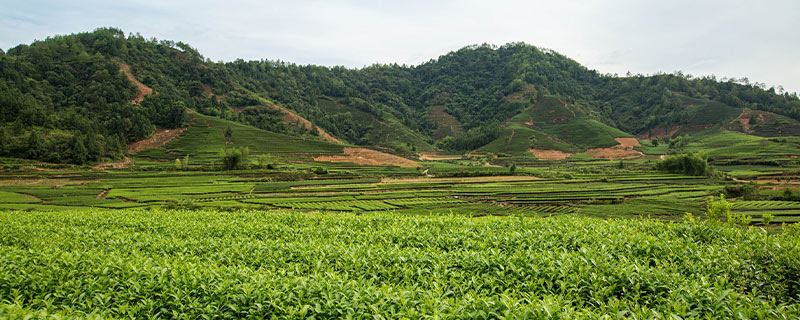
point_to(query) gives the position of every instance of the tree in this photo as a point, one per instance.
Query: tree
(234, 158)
(695, 164)
(228, 133)
(79, 151)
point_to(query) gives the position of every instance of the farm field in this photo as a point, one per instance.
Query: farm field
(260, 263)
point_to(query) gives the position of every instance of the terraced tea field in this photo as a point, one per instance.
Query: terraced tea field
(525, 195)
(783, 211)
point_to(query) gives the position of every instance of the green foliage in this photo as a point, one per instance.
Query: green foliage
(748, 191)
(695, 164)
(257, 264)
(470, 140)
(718, 209)
(234, 158)
(766, 218)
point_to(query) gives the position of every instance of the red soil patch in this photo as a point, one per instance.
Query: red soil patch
(624, 150)
(143, 89)
(437, 156)
(744, 121)
(158, 140)
(207, 91)
(628, 142)
(446, 124)
(550, 154)
(364, 156)
(294, 119)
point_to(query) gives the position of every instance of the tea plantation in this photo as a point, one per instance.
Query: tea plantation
(272, 264)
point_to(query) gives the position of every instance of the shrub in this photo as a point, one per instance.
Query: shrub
(766, 218)
(234, 158)
(716, 209)
(695, 164)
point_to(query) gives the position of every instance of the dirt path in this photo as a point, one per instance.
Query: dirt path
(31, 197)
(143, 89)
(103, 194)
(368, 157)
(158, 140)
(292, 118)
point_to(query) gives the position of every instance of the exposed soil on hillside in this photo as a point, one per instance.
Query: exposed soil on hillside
(103, 194)
(624, 150)
(207, 92)
(293, 119)
(517, 96)
(236, 110)
(628, 142)
(124, 163)
(143, 89)
(660, 132)
(550, 154)
(428, 156)
(742, 122)
(368, 157)
(446, 124)
(158, 140)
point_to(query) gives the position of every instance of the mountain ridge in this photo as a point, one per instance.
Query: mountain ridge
(72, 90)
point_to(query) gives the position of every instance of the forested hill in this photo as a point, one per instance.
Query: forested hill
(82, 98)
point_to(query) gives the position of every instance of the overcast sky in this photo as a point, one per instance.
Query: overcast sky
(754, 39)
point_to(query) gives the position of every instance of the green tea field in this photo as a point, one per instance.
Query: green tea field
(261, 264)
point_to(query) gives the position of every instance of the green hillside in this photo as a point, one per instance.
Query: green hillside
(204, 140)
(552, 124)
(82, 98)
(373, 127)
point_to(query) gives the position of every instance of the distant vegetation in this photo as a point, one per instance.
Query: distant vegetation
(69, 91)
(693, 164)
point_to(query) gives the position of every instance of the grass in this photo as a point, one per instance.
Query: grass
(262, 264)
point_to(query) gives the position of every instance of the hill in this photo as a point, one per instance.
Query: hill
(83, 98)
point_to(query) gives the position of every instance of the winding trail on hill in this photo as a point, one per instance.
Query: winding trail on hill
(292, 118)
(143, 89)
